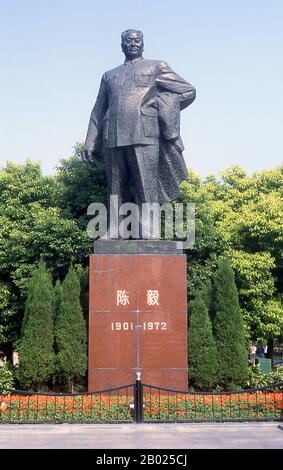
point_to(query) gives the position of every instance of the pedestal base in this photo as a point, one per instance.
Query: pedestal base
(137, 320)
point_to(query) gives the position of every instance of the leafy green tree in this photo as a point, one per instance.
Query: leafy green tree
(203, 365)
(8, 312)
(80, 185)
(6, 378)
(262, 308)
(33, 227)
(36, 351)
(229, 328)
(70, 333)
(239, 216)
(202, 259)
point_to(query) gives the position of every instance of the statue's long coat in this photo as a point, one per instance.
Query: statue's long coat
(139, 103)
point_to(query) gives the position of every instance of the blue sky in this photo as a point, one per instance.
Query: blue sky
(53, 53)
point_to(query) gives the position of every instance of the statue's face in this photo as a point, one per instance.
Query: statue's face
(132, 45)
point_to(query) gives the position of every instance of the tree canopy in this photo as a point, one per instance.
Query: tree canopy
(33, 227)
(240, 216)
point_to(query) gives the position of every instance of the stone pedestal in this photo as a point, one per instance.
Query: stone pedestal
(137, 318)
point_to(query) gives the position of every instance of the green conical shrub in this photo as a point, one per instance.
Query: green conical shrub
(229, 328)
(207, 296)
(58, 296)
(37, 340)
(202, 349)
(70, 333)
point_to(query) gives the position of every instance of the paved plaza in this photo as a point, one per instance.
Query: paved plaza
(142, 436)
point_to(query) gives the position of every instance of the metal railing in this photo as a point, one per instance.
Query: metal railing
(142, 403)
(113, 405)
(165, 405)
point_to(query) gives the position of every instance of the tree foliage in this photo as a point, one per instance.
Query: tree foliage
(240, 216)
(80, 185)
(33, 227)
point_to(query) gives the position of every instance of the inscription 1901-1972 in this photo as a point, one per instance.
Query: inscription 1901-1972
(148, 326)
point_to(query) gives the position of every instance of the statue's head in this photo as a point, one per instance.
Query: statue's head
(132, 43)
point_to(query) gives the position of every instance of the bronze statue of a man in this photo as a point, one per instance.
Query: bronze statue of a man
(135, 124)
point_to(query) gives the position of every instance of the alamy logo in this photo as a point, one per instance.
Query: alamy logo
(146, 222)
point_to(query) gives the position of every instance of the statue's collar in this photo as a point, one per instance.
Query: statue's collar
(134, 61)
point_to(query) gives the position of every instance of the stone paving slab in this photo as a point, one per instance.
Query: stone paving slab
(142, 436)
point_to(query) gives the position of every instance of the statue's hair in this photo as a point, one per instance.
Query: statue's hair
(124, 33)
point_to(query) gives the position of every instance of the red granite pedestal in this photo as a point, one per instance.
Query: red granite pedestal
(137, 320)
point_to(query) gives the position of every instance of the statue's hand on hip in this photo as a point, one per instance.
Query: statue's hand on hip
(89, 155)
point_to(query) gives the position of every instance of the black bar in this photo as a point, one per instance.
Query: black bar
(138, 406)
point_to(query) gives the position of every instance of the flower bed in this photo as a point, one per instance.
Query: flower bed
(157, 407)
(56, 408)
(210, 407)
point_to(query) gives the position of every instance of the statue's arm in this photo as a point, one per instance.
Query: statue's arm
(170, 81)
(93, 142)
